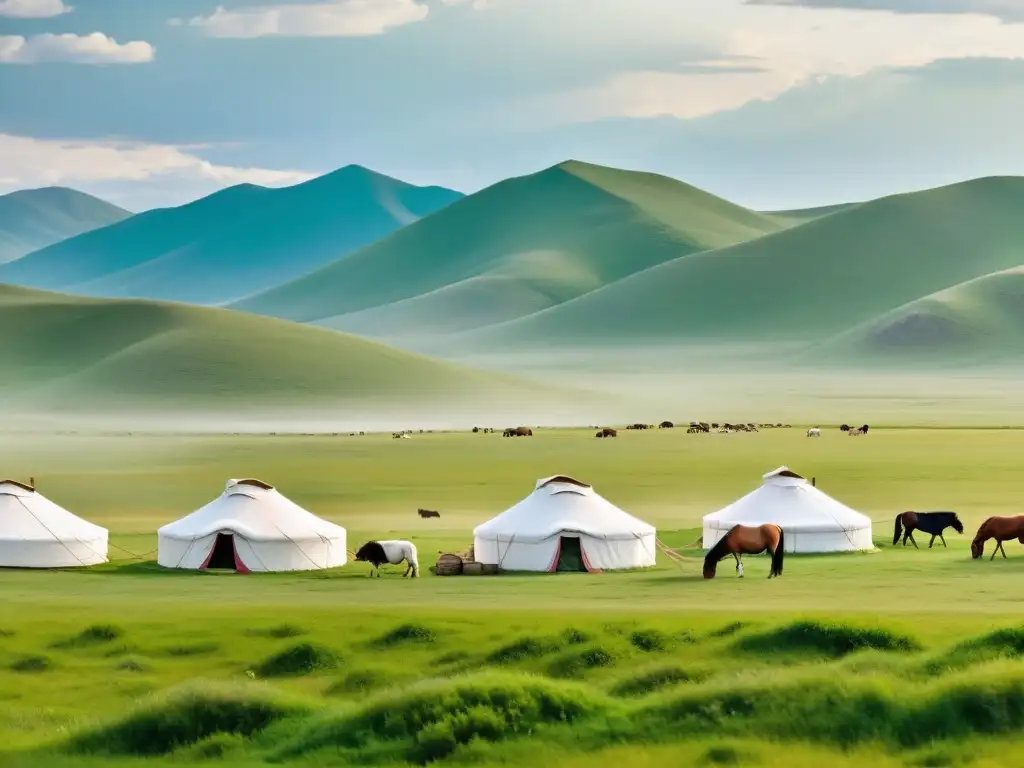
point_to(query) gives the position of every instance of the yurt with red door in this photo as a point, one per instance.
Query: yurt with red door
(251, 527)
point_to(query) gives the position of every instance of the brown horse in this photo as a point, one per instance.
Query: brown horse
(746, 540)
(1001, 529)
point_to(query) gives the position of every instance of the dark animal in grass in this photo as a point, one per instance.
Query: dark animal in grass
(377, 553)
(844, 428)
(607, 432)
(518, 432)
(666, 425)
(424, 513)
(1001, 529)
(929, 522)
(747, 540)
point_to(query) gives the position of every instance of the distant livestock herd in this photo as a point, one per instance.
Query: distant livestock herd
(852, 431)
(694, 428)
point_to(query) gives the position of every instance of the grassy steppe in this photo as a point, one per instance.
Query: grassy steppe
(977, 321)
(899, 657)
(74, 354)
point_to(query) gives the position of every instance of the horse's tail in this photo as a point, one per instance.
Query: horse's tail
(899, 529)
(779, 553)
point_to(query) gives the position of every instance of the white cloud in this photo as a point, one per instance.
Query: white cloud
(1011, 10)
(30, 162)
(334, 18)
(33, 9)
(791, 46)
(96, 48)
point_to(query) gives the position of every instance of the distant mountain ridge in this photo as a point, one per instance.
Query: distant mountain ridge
(232, 243)
(31, 219)
(803, 284)
(518, 247)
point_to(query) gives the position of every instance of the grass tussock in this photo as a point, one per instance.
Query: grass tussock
(1006, 643)
(724, 754)
(834, 640)
(574, 636)
(649, 640)
(656, 679)
(130, 665)
(360, 681)
(406, 633)
(575, 664)
(280, 632)
(31, 664)
(523, 649)
(99, 634)
(182, 719)
(302, 659)
(845, 712)
(432, 720)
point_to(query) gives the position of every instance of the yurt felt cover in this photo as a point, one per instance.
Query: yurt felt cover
(812, 520)
(269, 532)
(37, 533)
(528, 536)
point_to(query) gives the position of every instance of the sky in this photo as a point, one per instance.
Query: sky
(771, 103)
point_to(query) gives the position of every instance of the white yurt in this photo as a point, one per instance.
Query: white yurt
(36, 533)
(564, 525)
(811, 520)
(251, 527)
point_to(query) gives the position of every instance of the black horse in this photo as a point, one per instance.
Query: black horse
(929, 522)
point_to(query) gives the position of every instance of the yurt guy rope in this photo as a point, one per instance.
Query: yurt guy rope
(671, 554)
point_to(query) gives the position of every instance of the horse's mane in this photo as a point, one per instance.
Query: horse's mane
(717, 552)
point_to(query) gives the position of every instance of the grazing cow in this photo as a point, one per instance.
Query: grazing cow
(377, 553)
(814, 432)
(607, 432)
(844, 428)
(424, 513)
(854, 432)
(666, 425)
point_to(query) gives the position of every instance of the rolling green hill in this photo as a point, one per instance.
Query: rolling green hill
(801, 215)
(802, 284)
(68, 353)
(35, 218)
(232, 243)
(516, 248)
(980, 321)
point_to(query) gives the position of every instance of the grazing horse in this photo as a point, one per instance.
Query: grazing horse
(747, 540)
(428, 513)
(814, 432)
(929, 522)
(1001, 529)
(376, 553)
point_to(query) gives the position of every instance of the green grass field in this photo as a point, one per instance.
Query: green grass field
(898, 657)
(72, 354)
